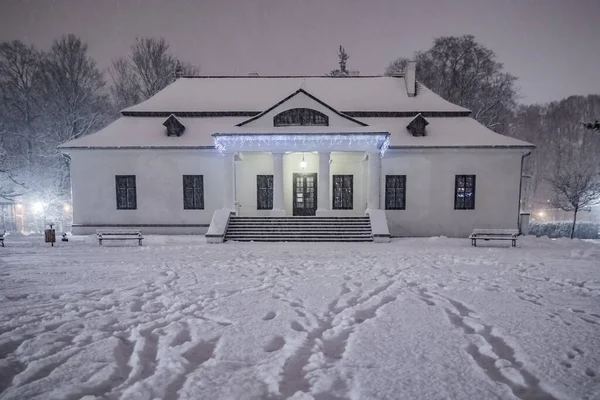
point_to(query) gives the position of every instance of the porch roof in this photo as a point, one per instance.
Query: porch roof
(324, 139)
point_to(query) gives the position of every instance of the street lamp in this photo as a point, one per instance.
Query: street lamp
(38, 207)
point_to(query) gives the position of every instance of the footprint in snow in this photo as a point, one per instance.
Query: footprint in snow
(274, 343)
(295, 325)
(573, 356)
(269, 316)
(566, 364)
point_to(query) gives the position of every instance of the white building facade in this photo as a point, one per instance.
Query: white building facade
(296, 146)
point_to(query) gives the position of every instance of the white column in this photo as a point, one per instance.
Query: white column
(228, 181)
(278, 208)
(374, 171)
(323, 189)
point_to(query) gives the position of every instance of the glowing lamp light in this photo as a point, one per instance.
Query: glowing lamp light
(38, 207)
(294, 142)
(67, 208)
(302, 163)
(19, 206)
(541, 214)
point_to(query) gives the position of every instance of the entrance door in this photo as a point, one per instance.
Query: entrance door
(305, 194)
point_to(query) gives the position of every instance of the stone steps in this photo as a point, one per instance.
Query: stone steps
(299, 229)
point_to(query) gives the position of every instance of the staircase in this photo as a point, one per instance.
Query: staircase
(299, 229)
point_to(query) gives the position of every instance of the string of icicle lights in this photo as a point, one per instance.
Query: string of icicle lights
(363, 142)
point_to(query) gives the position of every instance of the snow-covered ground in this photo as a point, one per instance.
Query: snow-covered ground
(413, 319)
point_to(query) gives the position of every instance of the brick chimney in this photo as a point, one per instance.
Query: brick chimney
(410, 78)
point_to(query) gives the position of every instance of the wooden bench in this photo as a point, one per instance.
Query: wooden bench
(119, 235)
(494, 234)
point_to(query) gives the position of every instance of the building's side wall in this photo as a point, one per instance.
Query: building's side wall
(159, 184)
(430, 180)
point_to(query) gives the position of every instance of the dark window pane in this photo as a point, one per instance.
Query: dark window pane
(193, 192)
(126, 192)
(464, 192)
(264, 192)
(395, 192)
(300, 117)
(343, 192)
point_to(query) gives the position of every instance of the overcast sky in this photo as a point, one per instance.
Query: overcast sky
(553, 46)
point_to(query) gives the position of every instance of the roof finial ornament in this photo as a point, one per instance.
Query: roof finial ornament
(178, 70)
(343, 59)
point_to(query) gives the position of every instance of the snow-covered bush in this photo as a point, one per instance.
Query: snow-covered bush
(555, 229)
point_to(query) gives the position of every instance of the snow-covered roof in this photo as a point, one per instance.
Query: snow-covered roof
(444, 132)
(256, 94)
(148, 132)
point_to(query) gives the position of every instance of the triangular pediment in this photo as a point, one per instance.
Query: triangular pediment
(302, 109)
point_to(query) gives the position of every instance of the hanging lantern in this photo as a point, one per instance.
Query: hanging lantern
(302, 163)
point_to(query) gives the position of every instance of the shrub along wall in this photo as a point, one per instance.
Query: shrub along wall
(556, 229)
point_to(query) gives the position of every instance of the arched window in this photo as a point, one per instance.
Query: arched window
(300, 116)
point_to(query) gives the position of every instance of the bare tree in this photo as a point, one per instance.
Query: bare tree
(45, 99)
(8, 183)
(466, 73)
(148, 69)
(548, 125)
(20, 99)
(551, 128)
(397, 67)
(576, 186)
(74, 89)
(76, 103)
(592, 126)
(575, 177)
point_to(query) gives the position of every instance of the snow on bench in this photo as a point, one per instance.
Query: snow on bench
(494, 234)
(118, 234)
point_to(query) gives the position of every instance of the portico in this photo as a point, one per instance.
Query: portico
(318, 174)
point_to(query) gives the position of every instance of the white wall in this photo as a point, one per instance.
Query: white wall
(350, 164)
(430, 178)
(253, 164)
(159, 184)
(429, 193)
